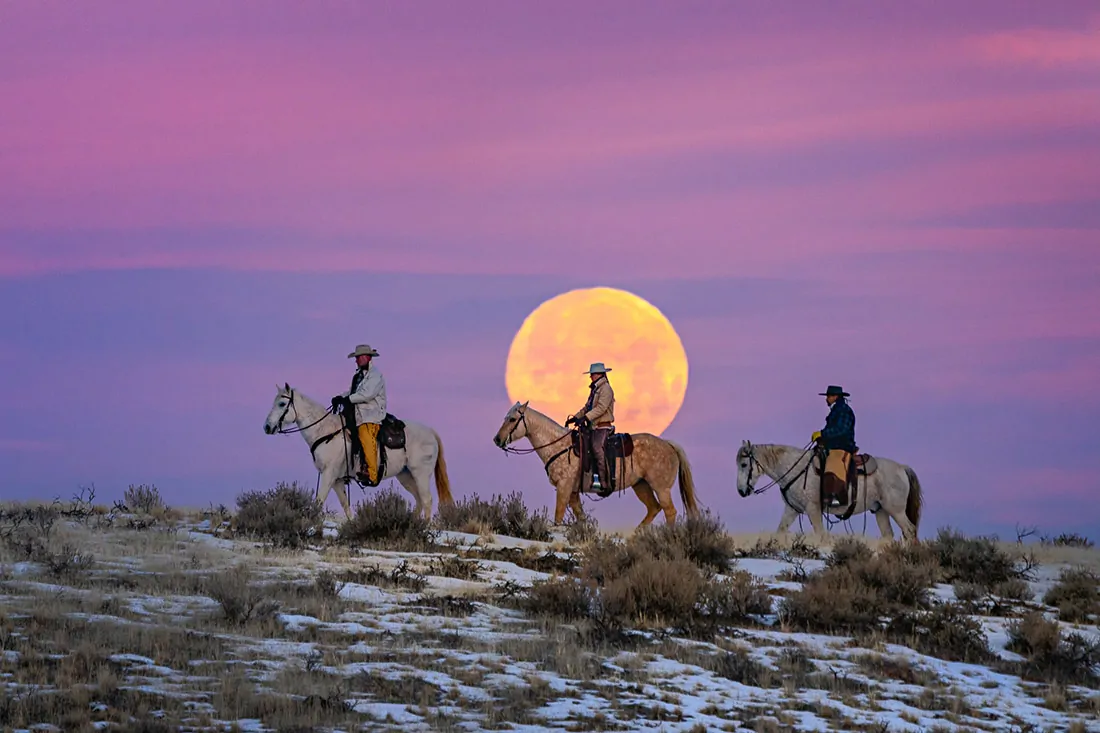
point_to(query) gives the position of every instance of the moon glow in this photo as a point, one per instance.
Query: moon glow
(560, 339)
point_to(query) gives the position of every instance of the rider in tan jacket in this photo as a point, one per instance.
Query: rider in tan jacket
(599, 410)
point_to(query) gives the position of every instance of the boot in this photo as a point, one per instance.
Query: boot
(603, 491)
(835, 493)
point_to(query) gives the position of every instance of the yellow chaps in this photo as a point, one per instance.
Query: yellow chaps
(368, 437)
(836, 463)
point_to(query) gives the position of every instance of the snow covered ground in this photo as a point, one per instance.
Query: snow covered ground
(349, 639)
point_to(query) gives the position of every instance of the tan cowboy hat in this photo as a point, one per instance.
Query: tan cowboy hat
(596, 368)
(363, 350)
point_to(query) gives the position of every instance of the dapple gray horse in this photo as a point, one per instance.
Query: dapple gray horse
(891, 491)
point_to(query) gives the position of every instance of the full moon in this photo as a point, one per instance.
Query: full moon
(564, 335)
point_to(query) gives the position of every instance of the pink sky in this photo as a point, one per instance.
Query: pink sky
(904, 200)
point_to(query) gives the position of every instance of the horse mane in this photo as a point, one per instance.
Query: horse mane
(532, 411)
(769, 453)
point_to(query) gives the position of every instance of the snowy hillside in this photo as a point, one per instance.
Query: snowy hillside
(177, 621)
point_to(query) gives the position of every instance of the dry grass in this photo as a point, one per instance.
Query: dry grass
(159, 621)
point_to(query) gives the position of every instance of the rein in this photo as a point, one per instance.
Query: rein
(291, 431)
(509, 448)
(778, 481)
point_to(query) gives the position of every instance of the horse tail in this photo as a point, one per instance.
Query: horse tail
(442, 483)
(914, 502)
(687, 483)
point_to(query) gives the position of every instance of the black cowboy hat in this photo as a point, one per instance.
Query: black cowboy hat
(834, 390)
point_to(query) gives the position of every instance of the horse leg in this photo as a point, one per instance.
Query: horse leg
(407, 480)
(813, 509)
(576, 506)
(908, 531)
(884, 527)
(665, 497)
(325, 486)
(329, 480)
(785, 522)
(647, 496)
(564, 496)
(422, 474)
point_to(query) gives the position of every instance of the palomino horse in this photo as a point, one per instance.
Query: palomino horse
(330, 444)
(892, 491)
(651, 470)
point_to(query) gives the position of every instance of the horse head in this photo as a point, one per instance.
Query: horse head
(514, 426)
(283, 410)
(746, 462)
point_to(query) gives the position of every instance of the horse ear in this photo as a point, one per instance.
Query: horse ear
(525, 404)
(286, 386)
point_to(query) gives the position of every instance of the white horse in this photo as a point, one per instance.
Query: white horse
(330, 444)
(892, 491)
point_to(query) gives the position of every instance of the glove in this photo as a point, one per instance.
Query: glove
(570, 419)
(336, 402)
(816, 436)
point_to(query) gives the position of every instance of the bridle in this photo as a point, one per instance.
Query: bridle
(754, 463)
(507, 446)
(291, 431)
(280, 430)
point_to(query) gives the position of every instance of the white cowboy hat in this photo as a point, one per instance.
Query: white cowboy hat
(362, 350)
(596, 368)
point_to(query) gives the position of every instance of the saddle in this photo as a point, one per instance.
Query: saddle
(863, 464)
(617, 447)
(392, 432)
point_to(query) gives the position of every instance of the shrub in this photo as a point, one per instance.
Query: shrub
(1052, 656)
(144, 499)
(387, 521)
(701, 540)
(857, 588)
(833, 600)
(654, 592)
(739, 666)
(629, 585)
(946, 632)
(848, 550)
(582, 531)
(286, 516)
(976, 560)
(560, 597)
(1071, 539)
(735, 598)
(401, 576)
(240, 601)
(508, 516)
(1076, 595)
(1015, 589)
